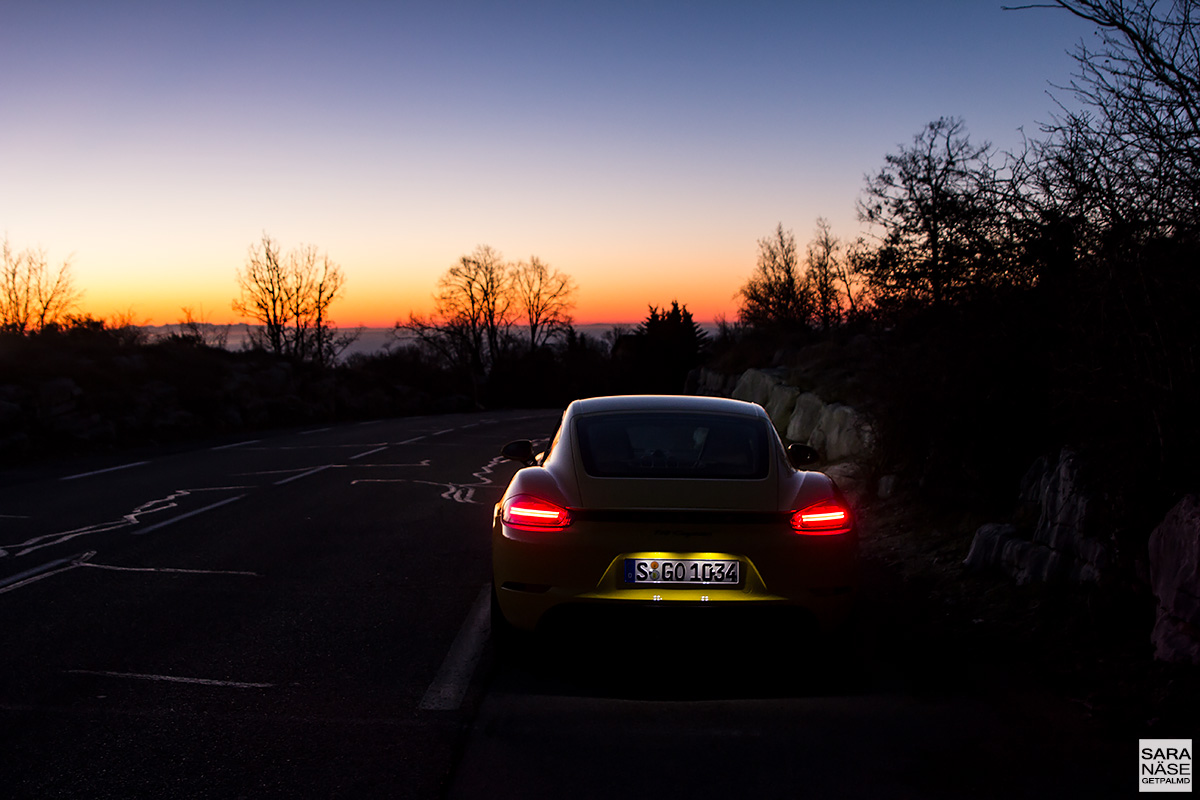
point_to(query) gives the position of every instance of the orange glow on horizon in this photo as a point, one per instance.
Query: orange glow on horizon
(617, 301)
(376, 315)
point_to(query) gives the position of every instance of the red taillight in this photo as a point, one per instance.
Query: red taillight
(530, 513)
(822, 518)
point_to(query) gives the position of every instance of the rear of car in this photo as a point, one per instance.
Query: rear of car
(670, 501)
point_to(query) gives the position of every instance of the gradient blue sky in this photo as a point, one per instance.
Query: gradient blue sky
(642, 147)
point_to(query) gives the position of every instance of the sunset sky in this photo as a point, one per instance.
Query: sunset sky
(641, 147)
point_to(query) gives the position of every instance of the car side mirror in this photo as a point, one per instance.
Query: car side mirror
(521, 450)
(801, 455)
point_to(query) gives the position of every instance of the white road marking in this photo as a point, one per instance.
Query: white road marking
(315, 430)
(237, 444)
(170, 569)
(348, 446)
(465, 492)
(410, 441)
(222, 488)
(132, 518)
(454, 678)
(487, 469)
(192, 513)
(44, 571)
(369, 453)
(305, 474)
(422, 463)
(102, 471)
(170, 679)
(454, 491)
(439, 433)
(127, 520)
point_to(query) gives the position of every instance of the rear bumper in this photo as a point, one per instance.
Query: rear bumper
(582, 569)
(530, 610)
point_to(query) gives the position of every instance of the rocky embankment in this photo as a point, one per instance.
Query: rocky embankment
(842, 435)
(1060, 534)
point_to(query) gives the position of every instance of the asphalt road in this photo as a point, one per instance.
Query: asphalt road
(305, 615)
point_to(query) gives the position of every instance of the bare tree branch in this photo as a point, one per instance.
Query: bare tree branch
(289, 296)
(33, 294)
(544, 297)
(775, 295)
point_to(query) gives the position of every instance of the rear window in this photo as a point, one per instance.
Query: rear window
(659, 445)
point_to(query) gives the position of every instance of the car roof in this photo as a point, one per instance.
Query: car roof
(666, 402)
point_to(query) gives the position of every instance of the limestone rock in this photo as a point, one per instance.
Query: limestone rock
(850, 479)
(1175, 580)
(780, 402)
(711, 383)
(1068, 543)
(1070, 517)
(841, 433)
(804, 418)
(887, 487)
(755, 386)
(987, 547)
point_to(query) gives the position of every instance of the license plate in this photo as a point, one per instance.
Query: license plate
(699, 572)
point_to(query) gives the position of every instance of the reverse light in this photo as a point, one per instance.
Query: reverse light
(529, 513)
(822, 518)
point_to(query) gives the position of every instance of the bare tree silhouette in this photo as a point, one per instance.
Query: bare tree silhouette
(33, 294)
(289, 295)
(480, 298)
(823, 270)
(471, 308)
(933, 203)
(1139, 131)
(544, 297)
(775, 296)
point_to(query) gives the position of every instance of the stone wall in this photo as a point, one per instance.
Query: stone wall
(842, 435)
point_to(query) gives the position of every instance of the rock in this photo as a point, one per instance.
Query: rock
(838, 432)
(841, 433)
(849, 478)
(780, 402)
(711, 383)
(886, 488)
(988, 545)
(1175, 581)
(1001, 545)
(804, 418)
(755, 386)
(1068, 542)
(1069, 519)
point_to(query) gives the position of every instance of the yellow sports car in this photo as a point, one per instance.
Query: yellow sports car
(668, 501)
